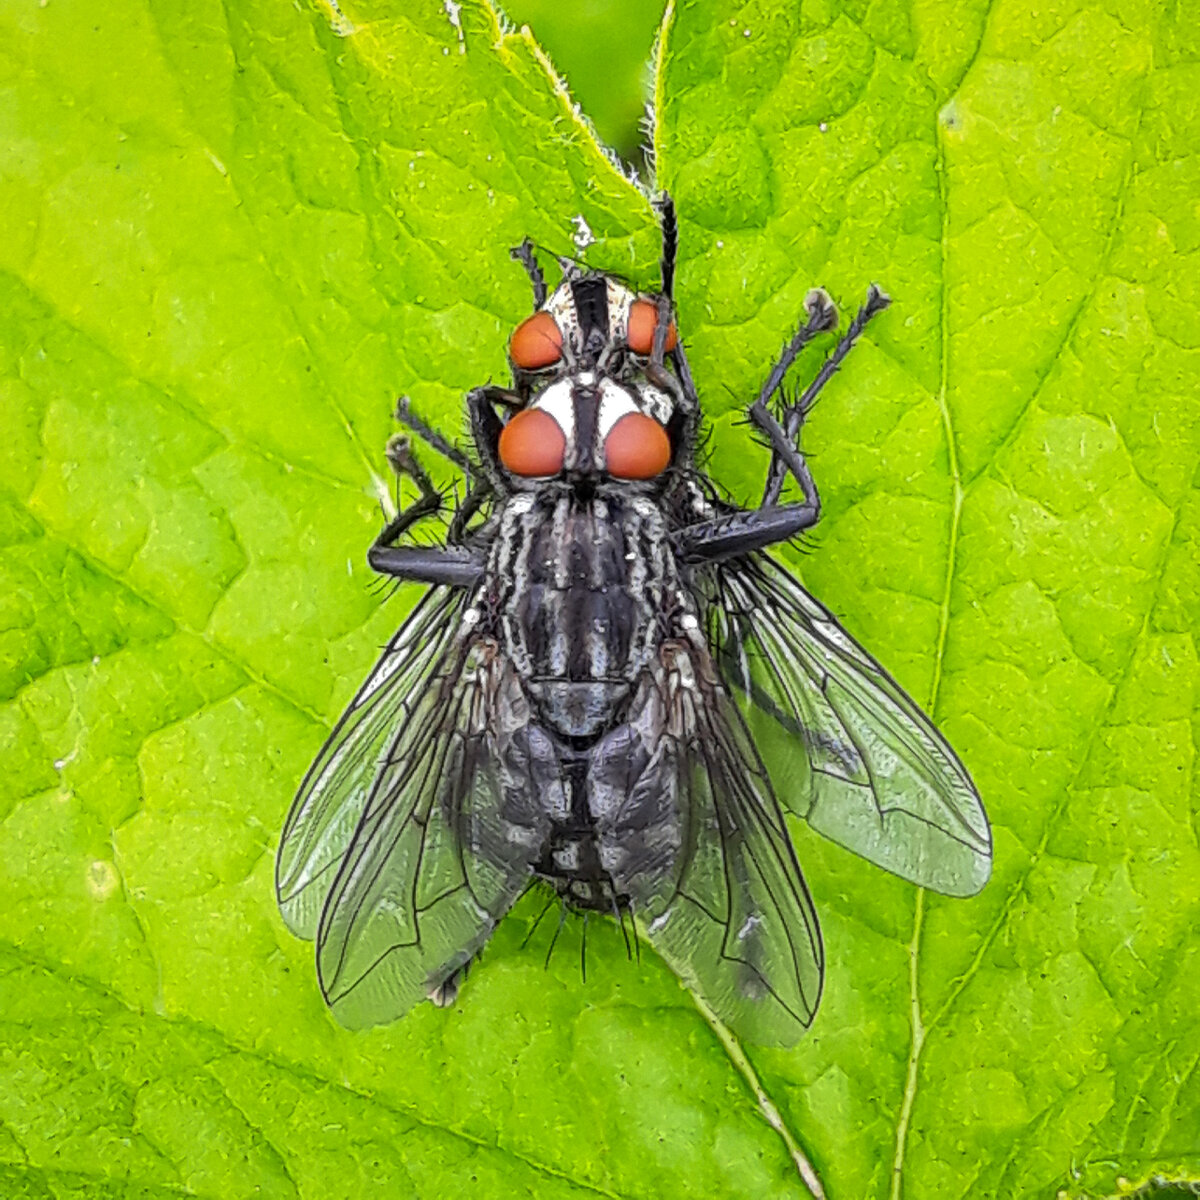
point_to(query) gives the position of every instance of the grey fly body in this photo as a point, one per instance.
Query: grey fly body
(573, 699)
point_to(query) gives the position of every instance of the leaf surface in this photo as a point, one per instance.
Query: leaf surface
(1009, 472)
(233, 233)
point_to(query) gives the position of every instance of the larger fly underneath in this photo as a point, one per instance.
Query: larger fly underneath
(607, 671)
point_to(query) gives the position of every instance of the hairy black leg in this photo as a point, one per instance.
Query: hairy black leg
(618, 912)
(456, 565)
(689, 401)
(743, 532)
(477, 491)
(404, 462)
(679, 385)
(472, 502)
(450, 565)
(525, 256)
(534, 927)
(822, 316)
(430, 436)
(562, 920)
(486, 427)
(656, 371)
(795, 413)
(669, 226)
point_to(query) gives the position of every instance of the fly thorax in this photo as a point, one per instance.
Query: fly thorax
(582, 586)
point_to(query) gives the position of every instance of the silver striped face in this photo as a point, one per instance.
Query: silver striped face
(586, 406)
(563, 305)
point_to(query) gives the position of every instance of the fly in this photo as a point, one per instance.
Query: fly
(607, 672)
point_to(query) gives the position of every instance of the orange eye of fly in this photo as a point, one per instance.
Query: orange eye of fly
(643, 316)
(637, 447)
(536, 342)
(532, 443)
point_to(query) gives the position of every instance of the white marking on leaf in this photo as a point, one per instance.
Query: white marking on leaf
(583, 236)
(454, 13)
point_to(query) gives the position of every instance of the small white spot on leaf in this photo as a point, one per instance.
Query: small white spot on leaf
(454, 13)
(102, 879)
(950, 117)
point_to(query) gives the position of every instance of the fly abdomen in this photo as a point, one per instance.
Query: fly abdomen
(618, 830)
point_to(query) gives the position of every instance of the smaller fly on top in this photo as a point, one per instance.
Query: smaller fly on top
(594, 332)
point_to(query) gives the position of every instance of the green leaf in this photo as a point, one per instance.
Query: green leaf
(233, 233)
(605, 51)
(1010, 522)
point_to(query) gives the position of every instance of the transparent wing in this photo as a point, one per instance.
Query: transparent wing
(848, 750)
(333, 794)
(435, 861)
(734, 920)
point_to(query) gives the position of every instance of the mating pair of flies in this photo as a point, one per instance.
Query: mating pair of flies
(613, 689)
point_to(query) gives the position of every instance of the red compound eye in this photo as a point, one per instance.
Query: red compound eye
(532, 443)
(536, 342)
(643, 316)
(637, 447)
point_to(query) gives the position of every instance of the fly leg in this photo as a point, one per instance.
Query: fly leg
(525, 256)
(444, 994)
(795, 412)
(486, 426)
(743, 532)
(680, 385)
(430, 436)
(821, 316)
(471, 503)
(452, 565)
(477, 491)
(669, 227)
